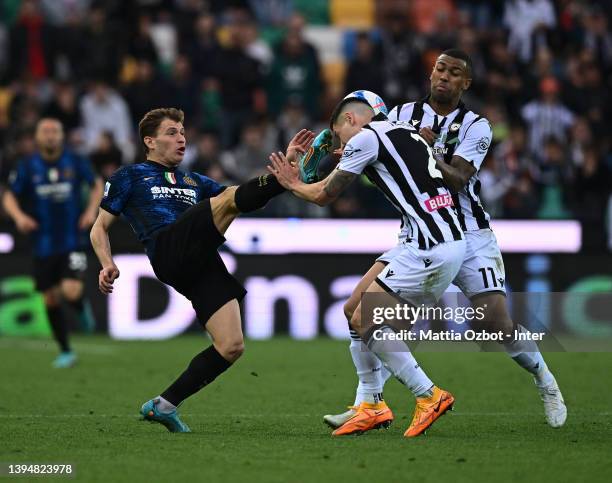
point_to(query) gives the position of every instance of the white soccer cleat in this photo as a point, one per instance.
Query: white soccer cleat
(554, 406)
(337, 420)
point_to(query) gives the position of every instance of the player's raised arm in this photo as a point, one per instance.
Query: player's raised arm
(321, 193)
(101, 245)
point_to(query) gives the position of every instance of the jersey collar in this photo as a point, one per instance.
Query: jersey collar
(427, 107)
(159, 166)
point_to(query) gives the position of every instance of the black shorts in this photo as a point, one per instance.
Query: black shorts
(50, 271)
(186, 258)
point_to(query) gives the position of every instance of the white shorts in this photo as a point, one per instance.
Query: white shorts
(421, 276)
(483, 267)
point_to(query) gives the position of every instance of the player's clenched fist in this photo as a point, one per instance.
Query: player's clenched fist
(106, 278)
(427, 134)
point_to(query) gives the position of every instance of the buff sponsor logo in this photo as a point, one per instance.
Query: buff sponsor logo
(437, 202)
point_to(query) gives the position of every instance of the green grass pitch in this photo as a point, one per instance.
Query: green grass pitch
(262, 420)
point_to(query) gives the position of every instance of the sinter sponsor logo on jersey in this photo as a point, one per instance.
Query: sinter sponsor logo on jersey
(186, 195)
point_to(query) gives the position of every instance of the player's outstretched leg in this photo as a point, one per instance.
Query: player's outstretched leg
(228, 345)
(527, 355)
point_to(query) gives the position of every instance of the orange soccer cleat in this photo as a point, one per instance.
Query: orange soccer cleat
(428, 409)
(368, 416)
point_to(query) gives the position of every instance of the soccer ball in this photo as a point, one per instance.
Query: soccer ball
(374, 100)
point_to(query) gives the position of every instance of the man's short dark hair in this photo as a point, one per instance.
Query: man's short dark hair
(461, 55)
(151, 121)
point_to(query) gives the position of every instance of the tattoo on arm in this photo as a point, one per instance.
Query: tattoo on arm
(338, 182)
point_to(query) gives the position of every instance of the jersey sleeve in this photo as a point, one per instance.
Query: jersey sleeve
(117, 191)
(475, 144)
(209, 186)
(394, 114)
(359, 152)
(19, 181)
(86, 172)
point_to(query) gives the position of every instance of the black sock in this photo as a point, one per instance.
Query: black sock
(59, 327)
(256, 192)
(77, 305)
(202, 370)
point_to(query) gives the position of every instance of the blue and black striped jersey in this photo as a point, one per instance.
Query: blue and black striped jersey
(152, 196)
(52, 194)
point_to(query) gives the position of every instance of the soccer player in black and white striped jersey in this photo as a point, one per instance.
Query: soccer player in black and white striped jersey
(460, 140)
(401, 164)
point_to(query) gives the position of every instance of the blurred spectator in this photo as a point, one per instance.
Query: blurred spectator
(240, 84)
(364, 71)
(99, 42)
(205, 48)
(593, 187)
(182, 91)
(401, 59)
(141, 45)
(546, 117)
(250, 157)
(527, 21)
(272, 12)
(208, 156)
(106, 156)
(293, 118)
(165, 39)
(295, 73)
(103, 109)
(508, 189)
(32, 44)
(146, 87)
(64, 107)
(554, 176)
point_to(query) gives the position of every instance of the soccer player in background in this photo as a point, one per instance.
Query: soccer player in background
(45, 200)
(180, 217)
(460, 139)
(399, 162)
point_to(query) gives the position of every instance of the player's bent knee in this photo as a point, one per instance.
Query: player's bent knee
(231, 350)
(349, 309)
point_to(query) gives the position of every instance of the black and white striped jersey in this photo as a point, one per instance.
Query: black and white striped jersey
(401, 164)
(462, 133)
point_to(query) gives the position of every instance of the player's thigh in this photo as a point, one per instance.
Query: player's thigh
(224, 210)
(420, 277)
(225, 328)
(482, 270)
(353, 301)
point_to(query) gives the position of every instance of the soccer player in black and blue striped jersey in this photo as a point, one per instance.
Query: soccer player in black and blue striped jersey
(180, 217)
(45, 200)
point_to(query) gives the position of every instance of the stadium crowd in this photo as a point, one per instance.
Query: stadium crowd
(249, 73)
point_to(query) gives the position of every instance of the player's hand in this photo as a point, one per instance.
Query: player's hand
(288, 175)
(106, 278)
(26, 224)
(299, 144)
(87, 220)
(429, 136)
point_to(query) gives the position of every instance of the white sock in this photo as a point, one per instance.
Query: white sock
(398, 359)
(368, 368)
(527, 355)
(164, 406)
